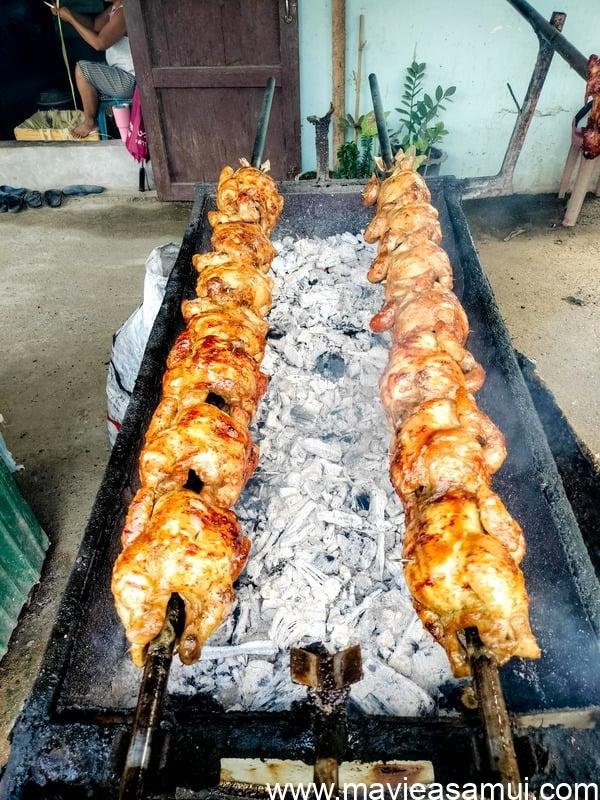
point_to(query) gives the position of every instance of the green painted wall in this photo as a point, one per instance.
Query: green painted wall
(477, 45)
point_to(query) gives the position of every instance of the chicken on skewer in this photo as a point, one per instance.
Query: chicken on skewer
(233, 281)
(179, 535)
(422, 267)
(201, 439)
(176, 543)
(460, 576)
(247, 194)
(244, 240)
(462, 547)
(219, 368)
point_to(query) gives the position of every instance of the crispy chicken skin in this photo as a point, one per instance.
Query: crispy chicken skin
(202, 439)
(460, 575)
(395, 244)
(221, 368)
(245, 240)
(248, 194)
(180, 536)
(228, 281)
(177, 543)
(420, 368)
(462, 548)
(400, 221)
(236, 325)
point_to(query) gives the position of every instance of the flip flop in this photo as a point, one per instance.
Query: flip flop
(11, 190)
(33, 199)
(53, 198)
(14, 203)
(80, 189)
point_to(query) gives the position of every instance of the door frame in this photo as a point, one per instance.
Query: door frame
(287, 79)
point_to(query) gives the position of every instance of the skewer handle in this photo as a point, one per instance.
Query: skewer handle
(147, 712)
(494, 714)
(382, 131)
(263, 124)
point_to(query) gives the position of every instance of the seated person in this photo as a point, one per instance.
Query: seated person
(116, 78)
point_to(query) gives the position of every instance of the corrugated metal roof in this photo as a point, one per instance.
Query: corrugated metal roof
(23, 546)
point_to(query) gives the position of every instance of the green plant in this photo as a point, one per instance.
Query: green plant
(418, 112)
(355, 159)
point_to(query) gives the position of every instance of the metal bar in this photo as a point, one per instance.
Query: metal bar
(147, 712)
(263, 124)
(494, 715)
(552, 36)
(502, 183)
(382, 131)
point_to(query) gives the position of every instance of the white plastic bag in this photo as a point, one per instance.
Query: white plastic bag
(129, 342)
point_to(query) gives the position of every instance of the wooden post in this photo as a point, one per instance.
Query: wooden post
(338, 52)
(358, 74)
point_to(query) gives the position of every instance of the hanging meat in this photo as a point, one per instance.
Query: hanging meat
(180, 534)
(462, 548)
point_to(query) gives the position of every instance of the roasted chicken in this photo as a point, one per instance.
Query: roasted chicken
(462, 575)
(247, 194)
(591, 132)
(228, 281)
(462, 547)
(244, 240)
(180, 536)
(176, 543)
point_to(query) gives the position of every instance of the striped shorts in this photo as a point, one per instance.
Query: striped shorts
(109, 81)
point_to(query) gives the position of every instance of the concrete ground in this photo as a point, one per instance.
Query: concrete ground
(71, 276)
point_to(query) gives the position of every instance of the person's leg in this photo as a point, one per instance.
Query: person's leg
(89, 98)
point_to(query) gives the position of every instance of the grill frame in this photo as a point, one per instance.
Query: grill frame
(63, 743)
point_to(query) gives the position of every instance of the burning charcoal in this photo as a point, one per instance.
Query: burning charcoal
(325, 524)
(330, 365)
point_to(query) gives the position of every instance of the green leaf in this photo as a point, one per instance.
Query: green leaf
(450, 91)
(427, 100)
(439, 93)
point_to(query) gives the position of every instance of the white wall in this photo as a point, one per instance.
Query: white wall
(477, 45)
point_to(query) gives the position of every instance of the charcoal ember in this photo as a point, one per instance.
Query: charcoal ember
(330, 365)
(325, 524)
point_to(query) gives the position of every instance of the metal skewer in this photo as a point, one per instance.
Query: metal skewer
(263, 124)
(147, 712)
(382, 131)
(492, 708)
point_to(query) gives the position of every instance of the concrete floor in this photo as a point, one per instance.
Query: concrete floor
(71, 276)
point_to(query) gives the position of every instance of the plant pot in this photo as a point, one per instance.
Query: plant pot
(431, 167)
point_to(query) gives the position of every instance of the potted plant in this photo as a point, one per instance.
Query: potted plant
(419, 112)
(355, 159)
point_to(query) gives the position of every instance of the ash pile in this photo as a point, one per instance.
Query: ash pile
(325, 524)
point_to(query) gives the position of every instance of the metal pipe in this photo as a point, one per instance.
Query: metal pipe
(382, 131)
(147, 712)
(263, 124)
(554, 38)
(493, 711)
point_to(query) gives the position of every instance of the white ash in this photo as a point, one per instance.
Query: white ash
(325, 524)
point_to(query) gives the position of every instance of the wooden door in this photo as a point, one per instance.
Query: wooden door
(202, 66)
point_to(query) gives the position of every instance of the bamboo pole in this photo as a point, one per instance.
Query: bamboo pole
(358, 74)
(338, 53)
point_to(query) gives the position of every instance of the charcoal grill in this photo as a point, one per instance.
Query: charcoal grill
(72, 737)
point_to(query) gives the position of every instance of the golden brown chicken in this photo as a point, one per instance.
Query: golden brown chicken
(247, 194)
(446, 444)
(404, 185)
(233, 281)
(392, 245)
(244, 240)
(200, 439)
(176, 543)
(461, 575)
(219, 368)
(238, 326)
(420, 368)
(420, 266)
(434, 309)
(401, 221)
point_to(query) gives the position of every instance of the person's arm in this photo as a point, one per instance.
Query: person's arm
(110, 33)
